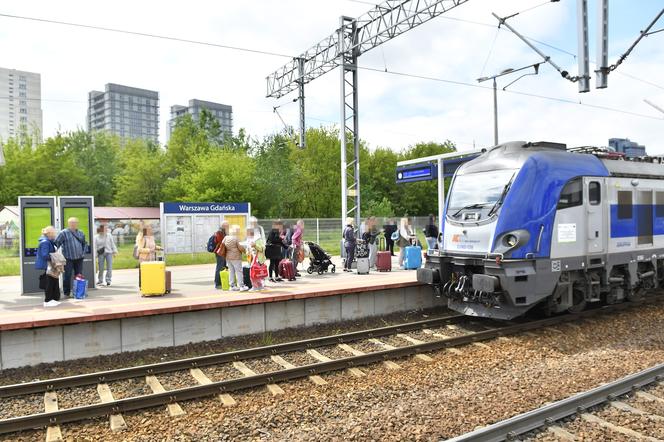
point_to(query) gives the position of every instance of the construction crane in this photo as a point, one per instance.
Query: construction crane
(354, 37)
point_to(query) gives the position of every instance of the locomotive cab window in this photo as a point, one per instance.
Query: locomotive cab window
(571, 195)
(594, 193)
(624, 204)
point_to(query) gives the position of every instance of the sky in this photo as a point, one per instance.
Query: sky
(395, 110)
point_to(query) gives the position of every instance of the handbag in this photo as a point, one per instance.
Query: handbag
(395, 236)
(221, 250)
(135, 254)
(43, 281)
(100, 251)
(257, 270)
(300, 254)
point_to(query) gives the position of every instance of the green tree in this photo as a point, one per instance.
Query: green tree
(275, 174)
(140, 182)
(233, 181)
(96, 157)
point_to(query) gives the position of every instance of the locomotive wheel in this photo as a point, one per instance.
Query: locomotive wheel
(636, 294)
(578, 300)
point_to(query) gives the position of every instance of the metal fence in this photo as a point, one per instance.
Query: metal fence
(324, 231)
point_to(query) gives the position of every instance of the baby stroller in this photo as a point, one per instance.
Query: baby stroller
(319, 260)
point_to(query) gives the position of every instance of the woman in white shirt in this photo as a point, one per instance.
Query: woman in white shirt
(106, 250)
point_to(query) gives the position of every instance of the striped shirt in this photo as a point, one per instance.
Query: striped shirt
(72, 243)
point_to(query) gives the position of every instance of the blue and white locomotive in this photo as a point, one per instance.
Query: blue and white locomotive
(536, 225)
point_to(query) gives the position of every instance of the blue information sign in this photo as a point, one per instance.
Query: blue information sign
(203, 208)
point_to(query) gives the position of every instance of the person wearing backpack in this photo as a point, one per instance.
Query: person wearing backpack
(349, 244)
(215, 246)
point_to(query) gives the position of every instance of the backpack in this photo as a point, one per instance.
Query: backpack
(211, 246)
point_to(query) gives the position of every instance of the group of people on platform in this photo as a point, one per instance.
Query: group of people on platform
(59, 254)
(401, 236)
(282, 242)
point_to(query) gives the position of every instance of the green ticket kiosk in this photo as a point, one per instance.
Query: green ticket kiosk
(35, 213)
(81, 207)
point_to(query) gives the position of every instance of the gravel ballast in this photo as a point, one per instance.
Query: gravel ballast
(423, 400)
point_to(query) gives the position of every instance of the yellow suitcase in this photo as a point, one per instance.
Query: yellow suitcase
(153, 278)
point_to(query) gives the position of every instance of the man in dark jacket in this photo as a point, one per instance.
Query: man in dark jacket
(431, 233)
(73, 246)
(389, 229)
(274, 250)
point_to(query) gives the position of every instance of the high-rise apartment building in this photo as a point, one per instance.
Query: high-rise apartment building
(629, 148)
(222, 112)
(125, 111)
(20, 103)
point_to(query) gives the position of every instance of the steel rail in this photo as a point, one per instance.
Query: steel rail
(196, 392)
(218, 358)
(513, 427)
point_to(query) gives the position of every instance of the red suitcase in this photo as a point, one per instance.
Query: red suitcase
(286, 269)
(384, 261)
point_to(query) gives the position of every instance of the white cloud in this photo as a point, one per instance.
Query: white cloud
(394, 111)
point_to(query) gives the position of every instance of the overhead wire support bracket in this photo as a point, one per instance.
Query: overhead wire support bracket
(503, 22)
(646, 32)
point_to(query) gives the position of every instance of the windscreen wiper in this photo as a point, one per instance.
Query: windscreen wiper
(499, 201)
(470, 206)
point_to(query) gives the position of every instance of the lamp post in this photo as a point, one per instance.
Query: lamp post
(495, 91)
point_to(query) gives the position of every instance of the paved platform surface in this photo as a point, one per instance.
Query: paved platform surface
(193, 289)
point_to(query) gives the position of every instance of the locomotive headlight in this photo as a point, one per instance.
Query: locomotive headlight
(510, 240)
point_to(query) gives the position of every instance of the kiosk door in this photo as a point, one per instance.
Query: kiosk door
(81, 207)
(35, 213)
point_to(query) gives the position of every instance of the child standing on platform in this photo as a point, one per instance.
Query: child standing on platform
(258, 264)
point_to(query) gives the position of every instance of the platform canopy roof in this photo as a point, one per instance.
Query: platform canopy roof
(126, 213)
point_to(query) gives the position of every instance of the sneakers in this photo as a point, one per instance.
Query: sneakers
(235, 289)
(244, 288)
(101, 283)
(52, 303)
(108, 283)
(278, 280)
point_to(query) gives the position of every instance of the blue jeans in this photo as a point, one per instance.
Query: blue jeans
(350, 255)
(72, 268)
(221, 263)
(107, 259)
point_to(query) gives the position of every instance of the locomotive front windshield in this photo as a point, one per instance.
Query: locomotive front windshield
(481, 189)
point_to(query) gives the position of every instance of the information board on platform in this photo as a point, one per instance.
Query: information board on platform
(187, 226)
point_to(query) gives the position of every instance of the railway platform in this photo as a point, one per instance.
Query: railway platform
(117, 319)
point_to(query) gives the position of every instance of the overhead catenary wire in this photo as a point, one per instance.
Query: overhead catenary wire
(146, 34)
(528, 94)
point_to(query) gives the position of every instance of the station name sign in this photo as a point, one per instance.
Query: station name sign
(206, 208)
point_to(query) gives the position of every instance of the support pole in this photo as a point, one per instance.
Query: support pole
(582, 29)
(441, 194)
(300, 72)
(495, 113)
(349, 133)
(602, 72)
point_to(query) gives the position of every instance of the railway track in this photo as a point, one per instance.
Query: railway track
(432, 335)
(582, 405)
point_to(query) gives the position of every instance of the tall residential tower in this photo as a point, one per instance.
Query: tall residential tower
(20, 103)
(125, 111)
(222, 112)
